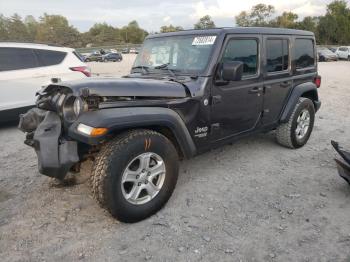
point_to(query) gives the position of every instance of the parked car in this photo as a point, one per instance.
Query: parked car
(25, 68)
(324, 54)
(188, 92)
(93, 57)
(114, 57)
(333, 49)
(132, 51)
(125, 51)
(343, 52)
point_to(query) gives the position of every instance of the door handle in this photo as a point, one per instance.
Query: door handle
(285, 84)
(254, 90)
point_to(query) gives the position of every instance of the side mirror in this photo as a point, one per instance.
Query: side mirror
(232, 71)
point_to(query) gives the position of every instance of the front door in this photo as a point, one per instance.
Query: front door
(236, 105)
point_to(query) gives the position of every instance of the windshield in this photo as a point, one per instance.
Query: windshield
(184, 54)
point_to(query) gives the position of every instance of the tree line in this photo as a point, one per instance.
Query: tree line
(55, 29)
(331, 28)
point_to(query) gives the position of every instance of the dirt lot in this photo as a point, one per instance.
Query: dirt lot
(250, 201)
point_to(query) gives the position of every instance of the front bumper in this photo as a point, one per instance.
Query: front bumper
(56, 155)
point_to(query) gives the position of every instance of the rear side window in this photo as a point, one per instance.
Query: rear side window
(49, 57)
(245, 51)
(17, 58)
(277, 55)
(304, 53)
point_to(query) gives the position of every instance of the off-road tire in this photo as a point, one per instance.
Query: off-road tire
(111, 162)
(285, 133)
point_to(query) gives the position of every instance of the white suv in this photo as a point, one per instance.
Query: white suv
(343, 52)
(25, 68)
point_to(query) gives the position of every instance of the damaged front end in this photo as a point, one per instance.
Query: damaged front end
(45, 131)
(56, 155)
(65, 127)
(342, 165)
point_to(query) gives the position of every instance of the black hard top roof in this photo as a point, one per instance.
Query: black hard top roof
(237, 30)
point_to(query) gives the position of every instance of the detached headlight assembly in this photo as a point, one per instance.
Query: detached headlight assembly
(72, 108)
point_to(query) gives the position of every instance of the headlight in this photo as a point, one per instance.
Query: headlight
(77, 106)
(72, 108)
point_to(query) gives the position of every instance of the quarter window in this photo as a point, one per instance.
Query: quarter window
(304, 53)
(277, 55)
(17, 58)
(49, 57)
(245, 51)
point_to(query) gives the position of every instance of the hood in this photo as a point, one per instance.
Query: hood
(122, 87)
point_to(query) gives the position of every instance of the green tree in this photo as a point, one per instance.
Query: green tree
(170, 28)
(3, 28)
(56, 29)
(334, 27)
(102, 34)
(259, 15)
(32, 27)
(16, 29)
(243, 19)
(132, 33)
(205, 22)
(286, 20)
(309, 23)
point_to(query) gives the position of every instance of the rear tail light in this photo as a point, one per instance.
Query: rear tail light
(317, 81)
(83, 69)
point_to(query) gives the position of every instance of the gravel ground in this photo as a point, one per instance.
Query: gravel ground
(250, 201)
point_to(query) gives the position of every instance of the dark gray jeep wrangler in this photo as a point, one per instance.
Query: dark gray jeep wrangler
(187, 92)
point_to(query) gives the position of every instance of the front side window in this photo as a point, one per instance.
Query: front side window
(277, 55)
(304, 53)
(17, 58)
(245, 51)
(185, 54)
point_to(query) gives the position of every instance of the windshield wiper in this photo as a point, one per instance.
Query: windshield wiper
(145, 69)
(165, 66)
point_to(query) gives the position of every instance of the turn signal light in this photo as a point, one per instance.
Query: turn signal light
(92, 131)
(98, 131)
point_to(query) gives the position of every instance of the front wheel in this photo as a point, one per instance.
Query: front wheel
(296, 132)
(135, 174)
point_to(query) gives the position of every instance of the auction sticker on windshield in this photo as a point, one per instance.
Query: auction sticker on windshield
(204, 40)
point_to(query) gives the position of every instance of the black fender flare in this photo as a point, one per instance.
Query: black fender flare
(120, 119)
(299, 91)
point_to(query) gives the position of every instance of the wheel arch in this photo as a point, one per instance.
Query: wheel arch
(307, 90)
(163, 120)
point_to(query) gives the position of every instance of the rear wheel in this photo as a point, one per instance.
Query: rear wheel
(296, 132)
(135, 174)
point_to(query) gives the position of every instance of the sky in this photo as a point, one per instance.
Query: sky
(151, 14)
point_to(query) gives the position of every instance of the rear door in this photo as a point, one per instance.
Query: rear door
(277, 76)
